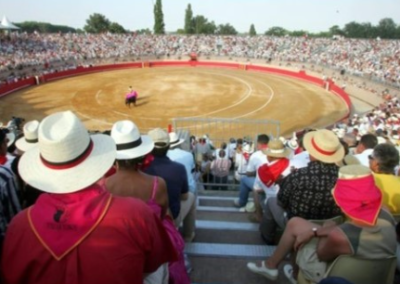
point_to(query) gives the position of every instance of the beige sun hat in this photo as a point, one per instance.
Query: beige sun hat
(31, 138)
(160, 137)
(276, 149)
(130, 144)
(324, 145)
(67, 158)
(174, 140)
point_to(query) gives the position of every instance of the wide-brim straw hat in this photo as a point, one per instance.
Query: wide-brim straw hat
(67, 158)
(174, 140)
(276, 149)
(130, 144)
(30, 138)
(357, 195)
(324, 145)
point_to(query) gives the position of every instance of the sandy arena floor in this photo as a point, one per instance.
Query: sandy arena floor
(166, 93)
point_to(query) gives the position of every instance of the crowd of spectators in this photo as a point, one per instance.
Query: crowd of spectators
(372, 59)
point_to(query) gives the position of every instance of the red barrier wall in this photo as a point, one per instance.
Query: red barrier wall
(9, 88)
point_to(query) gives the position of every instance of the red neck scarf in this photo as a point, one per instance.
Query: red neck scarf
(62, 221)
(269, 173)
(3, 160)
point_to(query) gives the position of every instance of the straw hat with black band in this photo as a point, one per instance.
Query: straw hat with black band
(67, 158)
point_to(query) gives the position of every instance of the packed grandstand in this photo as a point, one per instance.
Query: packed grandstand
(349, 151)
(372, 59)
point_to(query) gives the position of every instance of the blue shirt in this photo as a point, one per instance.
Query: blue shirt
(175, 176)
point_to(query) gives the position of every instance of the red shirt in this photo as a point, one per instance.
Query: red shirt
(128, 242)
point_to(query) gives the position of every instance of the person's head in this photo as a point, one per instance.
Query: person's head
(161, 142)
(350, 139)
(239, 143)
(223, 146)
(131, 146)
(3, 142)
(367, 141)
(67, 158)
(384, 159)
(262, 141)
(7, 138)
(323, 145)
(222, 154)
(276, 150)
(357, 195)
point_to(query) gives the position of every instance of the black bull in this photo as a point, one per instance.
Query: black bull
(129, 101)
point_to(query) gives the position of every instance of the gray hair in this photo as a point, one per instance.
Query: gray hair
(387, 157)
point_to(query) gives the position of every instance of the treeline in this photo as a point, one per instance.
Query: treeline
(199, 24)
(385, 29)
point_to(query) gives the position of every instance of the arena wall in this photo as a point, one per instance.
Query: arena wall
(301, 75)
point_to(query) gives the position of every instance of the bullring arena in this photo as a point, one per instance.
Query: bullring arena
(180, 91)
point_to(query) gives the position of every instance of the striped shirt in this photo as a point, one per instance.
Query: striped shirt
(9, 203)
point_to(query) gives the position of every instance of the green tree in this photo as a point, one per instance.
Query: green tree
(386, 28)
(97, 23)
(252, 31)
(203, 26)
(353, 30)
(159, 26)
(189, 21)
(226, 29)
(116, 28)
(144, 32)
(298, 33)
(335, 30)
(276, 31)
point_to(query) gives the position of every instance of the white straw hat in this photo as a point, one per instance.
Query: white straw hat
(130, 144)
(30, 139)
(174, 140)
(324, 145)
(67, 158)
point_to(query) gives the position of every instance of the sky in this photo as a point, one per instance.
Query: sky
(309, 15)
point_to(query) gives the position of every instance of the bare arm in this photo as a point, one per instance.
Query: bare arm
(162, 196)
(332, 244)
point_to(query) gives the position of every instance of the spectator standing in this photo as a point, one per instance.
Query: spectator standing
(220, 170)
(181, 202)
(183, 157)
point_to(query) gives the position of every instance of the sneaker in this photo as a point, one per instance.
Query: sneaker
(288, 270)
(270, 273)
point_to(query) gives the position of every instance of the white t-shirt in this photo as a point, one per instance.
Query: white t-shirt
(256, 160)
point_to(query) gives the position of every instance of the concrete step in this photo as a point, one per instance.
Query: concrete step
(228, 237)
(228, 250)
(222, 216)
(213, 270)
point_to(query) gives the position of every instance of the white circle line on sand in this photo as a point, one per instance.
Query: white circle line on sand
(264, 105)
(246, 96)
(85, 116)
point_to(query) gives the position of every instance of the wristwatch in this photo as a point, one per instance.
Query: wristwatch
(315, 232)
